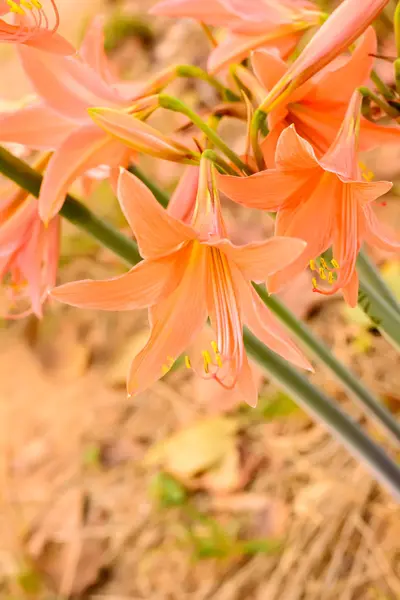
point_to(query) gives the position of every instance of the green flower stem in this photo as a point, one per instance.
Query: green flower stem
(387, 108)
(198, 73)
(306, 394)
(328, 413)
(381, 86)
(171, 103)
(73, 210)
(368, 272)
(161, 196)
(361, 394)
(382, 314)
(257, 122)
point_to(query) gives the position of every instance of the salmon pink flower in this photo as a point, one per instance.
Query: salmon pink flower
(191, 271)
(350, 19)
(324, 201)
(28, 252)
(317, 108)
(67, 87)
(250, 24)
(32, 26)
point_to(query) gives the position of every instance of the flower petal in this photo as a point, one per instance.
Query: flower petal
(264, 326)
(85, 148)
(143, 286)
(66, 84)
(235, 47)
(211, 12)
(378, 234)
(258, 260)
(92, 50)
(176, 322)
(182, 202)
(247, 384)
(156, 231)
(367, 191)
(49, 41)
(268, 67)
(293, 153)
(38, 127)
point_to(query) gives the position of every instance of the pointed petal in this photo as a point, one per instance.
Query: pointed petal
(66, 84)
(379, 234)
(373, 135)
(38, 127)
(30, 262)
(258, 260)
(182, 202)
(177, 321)
(293, 152)
(156, 231)
(264, 326)
(300, 222)
(266, 190)
(92, 49)
(236, 47)
(269, 144)
(268, 67)
(141, 287)
(347, 237)
(368, 191)
(247, 384)
(350, 291)
(337, 85)
(85, 148)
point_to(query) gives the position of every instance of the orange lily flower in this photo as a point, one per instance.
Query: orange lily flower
(32, 28)
(350, 19)
(191, 271)
(324, 201)
(28, 251)
(67, 87)
(317, 108)
(251, 24)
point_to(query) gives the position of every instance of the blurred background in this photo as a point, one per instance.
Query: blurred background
(182, 492)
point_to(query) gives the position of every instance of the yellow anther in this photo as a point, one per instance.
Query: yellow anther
(27, 4)
(314, 283)
(15, 7)
(165, 369)
(206, 360)
(323, 263)
(217, 353)
(330, 277)
(322, 273)
(312, 265)
(335, 263)
(188, 364)
(37, 4)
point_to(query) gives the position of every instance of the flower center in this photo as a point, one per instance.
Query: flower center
(325, 272)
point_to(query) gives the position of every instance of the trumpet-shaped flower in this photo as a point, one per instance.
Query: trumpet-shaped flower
(250, 24)
(67, 87)
(350, 19)
(317, 108)
(191, 271)
(32, 26)
(28, 252)
(324, 201)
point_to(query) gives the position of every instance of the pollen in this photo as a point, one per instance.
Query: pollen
(367, 174)
(206, 360)
(14, 7)
(168, 365)
(325, 272)
(37, 4)
(188, 364)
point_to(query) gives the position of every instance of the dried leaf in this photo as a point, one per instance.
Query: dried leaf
(195, 449)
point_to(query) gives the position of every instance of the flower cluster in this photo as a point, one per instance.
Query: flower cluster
(306, 126)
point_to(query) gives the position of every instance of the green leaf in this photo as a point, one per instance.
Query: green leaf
(167, 491)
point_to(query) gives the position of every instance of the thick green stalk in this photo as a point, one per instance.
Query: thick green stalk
(328, 413)
(382, 314)
(198, 73)
(359, 392)
(368, 273)
(171, 103)
(305, 393)
(73, 210)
